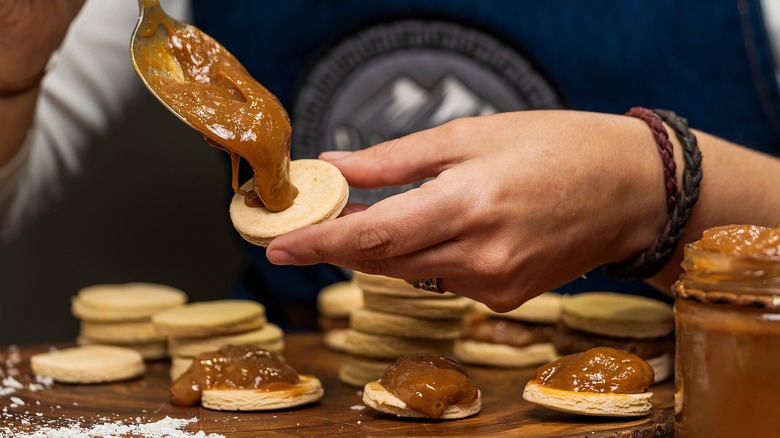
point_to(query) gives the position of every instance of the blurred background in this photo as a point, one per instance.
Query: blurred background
(151, 205)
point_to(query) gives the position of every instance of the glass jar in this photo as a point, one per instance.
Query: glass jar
(727, 364)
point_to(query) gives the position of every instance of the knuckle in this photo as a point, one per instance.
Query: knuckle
(503, 300)
(373, 242)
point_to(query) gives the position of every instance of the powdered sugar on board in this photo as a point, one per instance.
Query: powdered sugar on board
(167, 427)
(23, 415)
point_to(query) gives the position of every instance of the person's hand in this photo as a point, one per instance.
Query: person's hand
(30, 31)
(521, 203)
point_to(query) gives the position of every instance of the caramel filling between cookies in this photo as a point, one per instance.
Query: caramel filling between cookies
(569, 341)
(502, 331)
(235, 113)
(429, 383)
(233, 367)
(598, 370)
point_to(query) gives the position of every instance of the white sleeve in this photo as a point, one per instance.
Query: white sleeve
(85, 92)
(771, 12)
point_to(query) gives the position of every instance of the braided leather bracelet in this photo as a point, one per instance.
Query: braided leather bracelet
(9, 89)
(658, 254)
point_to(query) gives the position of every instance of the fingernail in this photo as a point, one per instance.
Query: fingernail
(279, 257)
(334, 155)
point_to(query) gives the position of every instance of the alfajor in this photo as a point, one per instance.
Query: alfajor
(602, 381)
(243, 378)
(515, 339)
(639, 325)
(322, 194)
(424, 386)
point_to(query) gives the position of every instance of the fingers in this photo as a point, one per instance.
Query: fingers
(405, 160)
(395, 226)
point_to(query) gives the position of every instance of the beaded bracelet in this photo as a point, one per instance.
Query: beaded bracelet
(9, 89)
(658, 254)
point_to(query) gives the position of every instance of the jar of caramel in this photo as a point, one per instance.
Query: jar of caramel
(727, 316)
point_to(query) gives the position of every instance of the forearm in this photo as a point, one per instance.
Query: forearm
(739, 186)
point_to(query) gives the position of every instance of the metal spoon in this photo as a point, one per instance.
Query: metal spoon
(150, 52)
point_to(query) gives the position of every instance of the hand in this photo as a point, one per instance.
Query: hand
(30, 31)
(521, 203)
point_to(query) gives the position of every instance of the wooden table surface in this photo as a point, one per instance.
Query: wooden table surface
(340, 412)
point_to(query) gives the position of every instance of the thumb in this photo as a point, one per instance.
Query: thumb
(397, 162)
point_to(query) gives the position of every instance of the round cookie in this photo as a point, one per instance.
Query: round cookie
(383, 323)
(154, 350)
(269, 337)
(179, 366)
(543, 309)
(502, 350)
(380, 399)
(380, 284)
(210, 318)
(585, 403)
(308, 390)
(132, 332)
(358, 370)
(322, 194)
(502, 355)
(338, 299)
(335, 339)
(89, 364)
(391, 347)
(124, 301)
(419, 307)
(618, 315)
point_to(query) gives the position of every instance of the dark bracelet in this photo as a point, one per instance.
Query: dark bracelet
(658, 254)
(9, 89)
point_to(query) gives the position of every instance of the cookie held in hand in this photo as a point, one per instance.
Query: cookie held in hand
(322, 194)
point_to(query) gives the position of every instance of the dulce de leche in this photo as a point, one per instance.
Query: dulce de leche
(727, 316)
(598, 370)
(429, 383)
(216, 95)
(232, 367)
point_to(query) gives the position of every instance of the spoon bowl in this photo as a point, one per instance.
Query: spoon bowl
(150, 53)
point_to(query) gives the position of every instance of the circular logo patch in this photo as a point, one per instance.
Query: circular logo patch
(397, 78)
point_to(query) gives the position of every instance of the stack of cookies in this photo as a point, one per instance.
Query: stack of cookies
(205, 326)
(639, 325)
(398, 320)
(519, 338)
(120, 314)
(335, 302)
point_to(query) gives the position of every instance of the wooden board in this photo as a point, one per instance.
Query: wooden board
(341, 411)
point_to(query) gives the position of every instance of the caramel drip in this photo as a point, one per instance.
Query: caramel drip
(214, 93)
